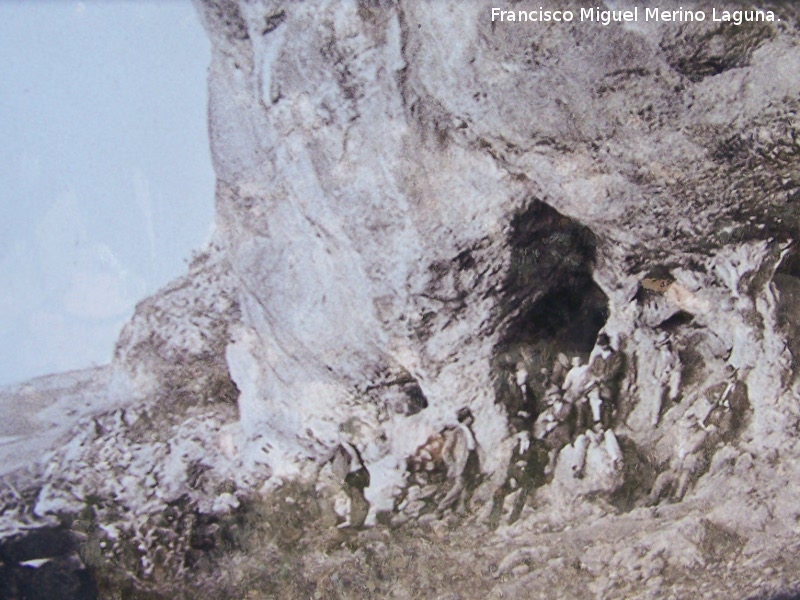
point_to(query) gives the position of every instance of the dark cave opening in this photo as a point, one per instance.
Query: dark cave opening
(549, 291)
(552, 309)
(552, 312)
(568, 318)
(550, 296)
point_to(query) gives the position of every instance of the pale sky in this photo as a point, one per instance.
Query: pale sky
(106, 184)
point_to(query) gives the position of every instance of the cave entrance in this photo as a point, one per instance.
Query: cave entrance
(566, 318)
(550, 307)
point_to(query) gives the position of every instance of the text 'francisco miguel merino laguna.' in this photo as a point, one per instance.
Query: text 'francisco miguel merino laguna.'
(606, 17)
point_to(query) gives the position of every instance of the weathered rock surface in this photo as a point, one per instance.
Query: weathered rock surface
(492, 310)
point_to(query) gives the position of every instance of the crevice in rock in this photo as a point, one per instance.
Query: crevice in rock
(790, 265)
(273, 21)
(787, 284)
(693, 364)
(679, 319)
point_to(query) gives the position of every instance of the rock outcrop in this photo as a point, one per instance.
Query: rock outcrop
(491, 309)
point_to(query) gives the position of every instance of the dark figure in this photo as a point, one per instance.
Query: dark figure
(355, 482)
(526, 472)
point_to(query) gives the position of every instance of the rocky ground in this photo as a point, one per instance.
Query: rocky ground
(491, 310)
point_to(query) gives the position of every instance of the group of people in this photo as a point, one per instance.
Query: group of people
(449, 456)
(549, 408)
(568, 403)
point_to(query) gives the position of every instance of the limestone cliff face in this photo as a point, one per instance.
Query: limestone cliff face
(379, 168)
(522, 276)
